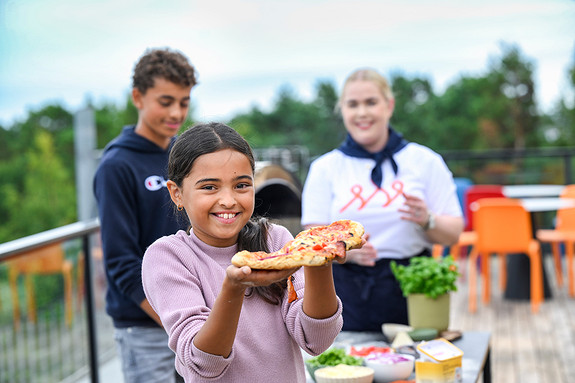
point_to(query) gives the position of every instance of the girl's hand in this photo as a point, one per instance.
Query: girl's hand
(365, 256)
(414, 210)
(244, 277)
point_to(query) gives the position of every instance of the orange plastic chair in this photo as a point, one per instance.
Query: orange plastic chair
(503, 226)
(468, 237)
(474, 193)
(45, 260)
(564, 233)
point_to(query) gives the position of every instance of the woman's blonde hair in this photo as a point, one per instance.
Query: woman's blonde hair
(368, 74)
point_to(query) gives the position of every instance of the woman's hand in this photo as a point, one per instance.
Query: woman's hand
(366, 256)
(415, 210)
(447, 228)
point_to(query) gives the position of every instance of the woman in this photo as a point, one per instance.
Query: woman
(402, 192)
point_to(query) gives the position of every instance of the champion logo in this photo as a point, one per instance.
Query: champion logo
(154, 183)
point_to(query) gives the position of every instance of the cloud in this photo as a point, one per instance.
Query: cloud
(244, 51)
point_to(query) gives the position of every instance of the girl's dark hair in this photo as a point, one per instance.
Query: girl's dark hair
(164, 63)
(209, 138)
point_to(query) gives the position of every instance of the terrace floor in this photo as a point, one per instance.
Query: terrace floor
(525, 347)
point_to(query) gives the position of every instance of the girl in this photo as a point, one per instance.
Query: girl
(226, 323)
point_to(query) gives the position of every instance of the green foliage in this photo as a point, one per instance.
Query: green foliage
(294, 122)
(333, 357)
(45, 198)
(558, 127)
(110, 120)
(495, 109)
(426, 275)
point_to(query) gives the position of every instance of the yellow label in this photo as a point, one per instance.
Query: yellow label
(440, 362)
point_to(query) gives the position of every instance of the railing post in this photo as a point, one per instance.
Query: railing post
(90, 312)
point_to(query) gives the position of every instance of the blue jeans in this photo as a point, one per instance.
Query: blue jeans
(145, 355)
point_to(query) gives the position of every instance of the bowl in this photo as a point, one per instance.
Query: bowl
(312, 368)
(391, 366)
(390, 330)
(330, 358)
(343, 373)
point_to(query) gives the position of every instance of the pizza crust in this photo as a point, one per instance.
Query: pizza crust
(245, 258)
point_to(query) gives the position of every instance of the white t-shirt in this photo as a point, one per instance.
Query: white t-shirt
(339, 187)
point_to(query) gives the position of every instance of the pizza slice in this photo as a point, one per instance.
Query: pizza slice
(312, 247)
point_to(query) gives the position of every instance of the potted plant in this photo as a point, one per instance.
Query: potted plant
(426, 283)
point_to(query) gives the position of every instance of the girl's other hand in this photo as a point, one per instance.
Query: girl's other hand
(345, 257)
(365, 256)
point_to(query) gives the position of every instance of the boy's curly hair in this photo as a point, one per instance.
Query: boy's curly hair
(164, 63)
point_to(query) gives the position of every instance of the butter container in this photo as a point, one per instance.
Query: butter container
(440, 362)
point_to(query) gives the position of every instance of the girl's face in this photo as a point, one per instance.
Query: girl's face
(218, 196)
(366, 114)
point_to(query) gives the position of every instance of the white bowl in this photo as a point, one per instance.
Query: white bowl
(384, 372)
(390, 330)
(342, 373)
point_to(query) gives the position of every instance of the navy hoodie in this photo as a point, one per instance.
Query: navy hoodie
(135, 209)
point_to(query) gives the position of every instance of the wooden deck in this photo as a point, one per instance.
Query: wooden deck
(526, 347)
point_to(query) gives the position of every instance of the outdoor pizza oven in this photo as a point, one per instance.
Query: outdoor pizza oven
(278, 195)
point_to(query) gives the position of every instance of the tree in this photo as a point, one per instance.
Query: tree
(560, 126)
(47, 198)
(413, 115)
(517, 119)
(294, 122)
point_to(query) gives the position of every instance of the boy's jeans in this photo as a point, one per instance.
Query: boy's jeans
(145, 355)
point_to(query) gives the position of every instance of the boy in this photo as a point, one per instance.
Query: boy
(134, 209)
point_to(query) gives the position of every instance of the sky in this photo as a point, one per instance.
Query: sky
(245, 51)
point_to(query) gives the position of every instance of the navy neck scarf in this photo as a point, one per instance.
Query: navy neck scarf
(395, 142)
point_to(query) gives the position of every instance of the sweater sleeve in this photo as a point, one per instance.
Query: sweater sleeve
(312, 335)
(117, 210)
(174, 290)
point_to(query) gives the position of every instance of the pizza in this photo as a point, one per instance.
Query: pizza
(312, 247)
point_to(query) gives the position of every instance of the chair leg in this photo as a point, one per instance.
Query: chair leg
(536, 279)
(463, 254)
(555, 249)
(437, 251)
(31, 297)
(80, 277)
(454, 251)
(502, 271)
(486, 273)
(472, 281)
(13, 277)
(67, 274)
(570, 273)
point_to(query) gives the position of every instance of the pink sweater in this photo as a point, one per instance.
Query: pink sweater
(182, 276)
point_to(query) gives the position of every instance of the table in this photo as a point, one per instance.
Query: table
(534, 205)
(518, 268)
(476, 347)
(522, 191)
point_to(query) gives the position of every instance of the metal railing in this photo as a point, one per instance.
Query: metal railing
(508, 167)
(27, 349)
(550, 165)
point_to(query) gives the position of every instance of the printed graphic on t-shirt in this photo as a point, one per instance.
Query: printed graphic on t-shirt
(359, 200)
(154, 183)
